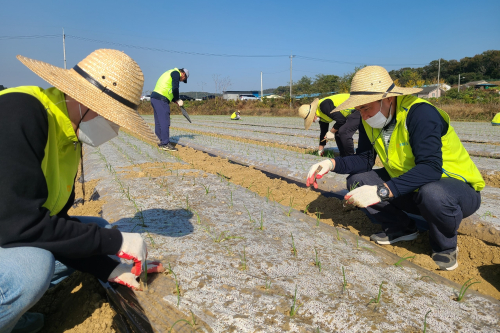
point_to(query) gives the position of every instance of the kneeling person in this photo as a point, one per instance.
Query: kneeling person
(427, 170)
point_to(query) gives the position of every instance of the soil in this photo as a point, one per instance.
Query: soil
(78, 304)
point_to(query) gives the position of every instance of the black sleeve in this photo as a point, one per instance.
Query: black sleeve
(362, 161)
(327, 107)
(23, 220)
(426, 127)
(323, 128)
(176, 77)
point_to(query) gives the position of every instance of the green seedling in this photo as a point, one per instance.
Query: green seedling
(353, 186)
(295, 306)
(268, 284)
(368, 249)
(306, 210)
(261, 222)
(291, 207)
(249, 216)
(317, 263)
(188, 208)
(231, 202)
(464, 288)
(176, 284)
(344, 284)
(198, 220)
(243, 260)
(224, 236)
(400, 261)
(357, 242)
(268, 194)
(376, 300)
(318, 216)
(294, 250)
(425, 320)
(427, 276)
(338, 235)
(192, 324)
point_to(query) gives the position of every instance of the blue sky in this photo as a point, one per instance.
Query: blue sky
(392, 34)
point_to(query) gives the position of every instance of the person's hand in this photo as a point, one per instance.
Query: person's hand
(321, 152)
(122, 274)
(363, 196)
(326, 166)
(329, 136)
(180, 102)
(133, 248)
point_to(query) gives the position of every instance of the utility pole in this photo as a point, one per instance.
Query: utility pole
(458, 82)
(439, 85)
(64, 48)
(291, 56)
(261, 91)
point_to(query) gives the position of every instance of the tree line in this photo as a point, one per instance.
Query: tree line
(484, 66)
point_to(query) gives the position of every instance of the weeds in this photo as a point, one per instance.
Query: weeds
(294, 249)
(464, 288)
(376, 300)
(400, 261)
(295, 306)
(317, 263)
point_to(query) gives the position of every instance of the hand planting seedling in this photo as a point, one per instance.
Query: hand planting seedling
(400, 261)
(317, 263)
(294, 250)
(295, 306)
(464, 288)
(376, 300)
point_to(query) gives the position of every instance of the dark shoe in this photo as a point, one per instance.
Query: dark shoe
(168, 147)
(29, 322)
(383, 238)
(446, 261)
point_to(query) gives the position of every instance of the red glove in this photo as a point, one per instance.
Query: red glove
(326, 166)
(133, 248)
(122, 274)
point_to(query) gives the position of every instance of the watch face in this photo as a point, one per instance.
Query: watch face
(384, 192)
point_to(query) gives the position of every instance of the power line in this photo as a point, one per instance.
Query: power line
(28, 37)
(353, 63)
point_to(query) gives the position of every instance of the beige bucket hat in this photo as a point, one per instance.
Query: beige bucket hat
(371, 84)
(108, 82)
(308, 111)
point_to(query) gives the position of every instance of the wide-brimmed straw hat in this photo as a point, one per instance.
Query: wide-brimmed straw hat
(108, 82)
(371, 84)
(308, 111)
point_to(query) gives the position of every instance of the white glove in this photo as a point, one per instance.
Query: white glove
(133, 248)
(326, 165)
(329, 136)
(180, 102)
(321, 152)
(363, 196)
(122, 274)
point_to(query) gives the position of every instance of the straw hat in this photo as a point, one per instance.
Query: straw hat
(371, 84)
(308, 112)
(108, 82)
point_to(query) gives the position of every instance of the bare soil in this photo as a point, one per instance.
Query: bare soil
(78, 304)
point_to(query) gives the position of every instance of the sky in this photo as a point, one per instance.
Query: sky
(235, 41)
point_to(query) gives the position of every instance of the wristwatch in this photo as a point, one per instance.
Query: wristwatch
(383, 192)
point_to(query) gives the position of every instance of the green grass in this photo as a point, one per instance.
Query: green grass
(464, 288)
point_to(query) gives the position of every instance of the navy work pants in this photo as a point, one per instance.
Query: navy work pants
(443, 204)
(343, 136)
(162, 120)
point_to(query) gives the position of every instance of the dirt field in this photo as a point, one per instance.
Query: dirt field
(79, 304)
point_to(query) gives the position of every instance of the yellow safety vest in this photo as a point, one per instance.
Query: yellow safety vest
(398, 158)
(62, 153)
(233, 116)
(496, 120)
(164, 84)
(337, 100)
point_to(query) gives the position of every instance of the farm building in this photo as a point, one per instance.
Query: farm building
(235, 94)
(428, 92)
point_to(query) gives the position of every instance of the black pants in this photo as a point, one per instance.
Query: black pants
(343, 136)
(443, 204)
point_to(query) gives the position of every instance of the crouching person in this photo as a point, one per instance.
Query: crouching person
(426, 172)
(41, 137)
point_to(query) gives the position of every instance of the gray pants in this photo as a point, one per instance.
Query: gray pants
(443, 204)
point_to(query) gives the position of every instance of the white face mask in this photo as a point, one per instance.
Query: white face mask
(379, 120)
(97, 131)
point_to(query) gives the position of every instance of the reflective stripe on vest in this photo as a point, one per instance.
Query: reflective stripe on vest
(164, 84)
(399, 158)
(62, 156)
(337, 100)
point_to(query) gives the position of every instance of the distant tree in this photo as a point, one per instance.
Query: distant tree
(302, 86)
(345, 81)
(326, 83)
